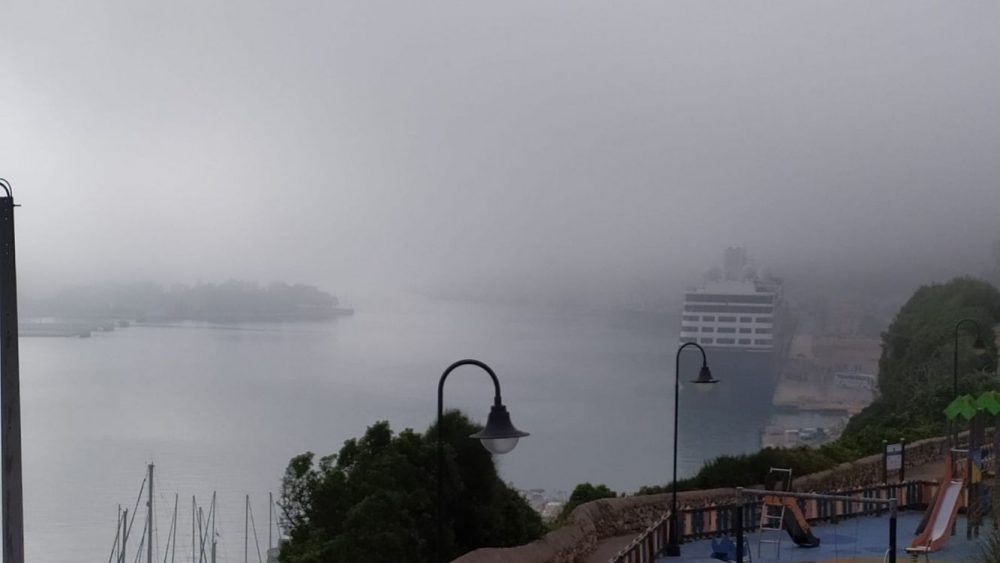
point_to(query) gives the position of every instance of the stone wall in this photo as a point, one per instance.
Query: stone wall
(592, 522)
(868, 470)
(598, 520)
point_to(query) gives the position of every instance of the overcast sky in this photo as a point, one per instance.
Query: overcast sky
(581, 146)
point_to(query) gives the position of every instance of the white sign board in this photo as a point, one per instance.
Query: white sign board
(894, 457)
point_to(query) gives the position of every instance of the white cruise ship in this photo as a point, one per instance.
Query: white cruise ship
(737, 309)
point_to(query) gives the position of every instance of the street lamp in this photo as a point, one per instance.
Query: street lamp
(705, 380)
(978, 347)
(11, 488)
(498, 437)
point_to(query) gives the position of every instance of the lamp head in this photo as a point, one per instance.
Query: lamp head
(499, 436)
(705, 381)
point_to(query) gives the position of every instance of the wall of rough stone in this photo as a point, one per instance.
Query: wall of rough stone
(594, 521)
(868, 470)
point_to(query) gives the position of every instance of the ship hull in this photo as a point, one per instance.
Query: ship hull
(728, 418)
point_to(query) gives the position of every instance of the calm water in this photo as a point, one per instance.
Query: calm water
(224, 408)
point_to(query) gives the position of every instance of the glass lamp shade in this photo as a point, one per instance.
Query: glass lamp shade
(705, 381)
(979, 346)
(499, 436)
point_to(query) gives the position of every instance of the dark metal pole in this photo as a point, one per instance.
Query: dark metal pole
(10, 390)
(739, 525)
(954, 383)
(902, 460)
(674, 543)
(440, 444)
(885, 461)
(893, 509)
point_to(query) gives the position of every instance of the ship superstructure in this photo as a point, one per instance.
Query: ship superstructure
(735, 309)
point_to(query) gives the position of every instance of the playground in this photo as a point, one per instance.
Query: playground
(861, 540)
(949, 529)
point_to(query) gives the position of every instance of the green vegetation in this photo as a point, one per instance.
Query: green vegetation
(915, 370)
(376, 500)
(915, 384)
(584, 492)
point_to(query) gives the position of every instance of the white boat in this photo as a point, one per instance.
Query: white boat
(737, 309)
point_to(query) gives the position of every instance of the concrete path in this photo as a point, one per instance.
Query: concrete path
(607, 548)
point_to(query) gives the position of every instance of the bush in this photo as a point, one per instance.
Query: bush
(376, 500)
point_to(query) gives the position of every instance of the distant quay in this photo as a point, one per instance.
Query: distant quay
(237, 317)
(229, 302)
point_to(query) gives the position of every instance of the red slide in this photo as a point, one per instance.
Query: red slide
(942, 515)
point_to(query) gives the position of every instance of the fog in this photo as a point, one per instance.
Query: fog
(587, 150)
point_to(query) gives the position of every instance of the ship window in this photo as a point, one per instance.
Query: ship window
(763, 341)
(699, 308)
(726, 329)
(763, 331)
(689, 329)
(709, 319)
(724, 298)
(706, 340)
(690, 317)
(727, 319)
(708, 329)
(745, 330)
(686, 339)
(765, 319)
(746, 319)
(744, 341)
(727, 341)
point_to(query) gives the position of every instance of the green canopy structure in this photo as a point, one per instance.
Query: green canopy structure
(964, 406)
(989, 402)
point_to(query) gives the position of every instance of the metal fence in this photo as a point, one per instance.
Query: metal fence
(647, 545)
(721, 519)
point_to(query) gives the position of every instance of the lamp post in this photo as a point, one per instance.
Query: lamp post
(10, 389)
(979, 347)
(704, 379)
(499, 436)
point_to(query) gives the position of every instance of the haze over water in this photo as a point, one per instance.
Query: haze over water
(225, 408)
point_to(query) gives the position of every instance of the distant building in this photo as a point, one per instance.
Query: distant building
(855, 380)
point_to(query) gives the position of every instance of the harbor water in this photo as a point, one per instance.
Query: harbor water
(223, 408)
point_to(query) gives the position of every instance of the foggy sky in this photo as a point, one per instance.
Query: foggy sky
(592, 148)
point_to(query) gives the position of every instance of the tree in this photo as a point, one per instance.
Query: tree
(915, 384)
(584, 492)
(376, 500)
(915, 369)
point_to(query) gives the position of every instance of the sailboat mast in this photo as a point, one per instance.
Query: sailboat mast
(114, 549)
(149, 522)
(246, 530)
(124, 533)
(270, 525)
(193, 511)
(201, 539)
(173, 551)
(214, 511)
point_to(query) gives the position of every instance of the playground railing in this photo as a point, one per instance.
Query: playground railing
(713, 520)
(647, 545)
(717, 519)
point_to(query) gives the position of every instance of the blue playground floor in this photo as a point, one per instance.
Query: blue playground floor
(859, 539)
